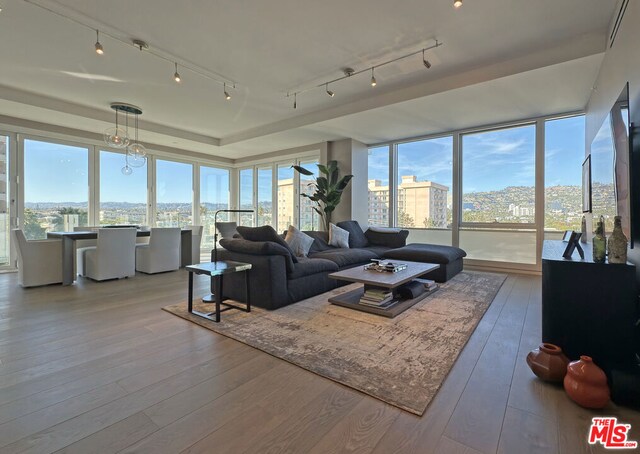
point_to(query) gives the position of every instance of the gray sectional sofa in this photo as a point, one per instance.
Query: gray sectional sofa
(279, 278)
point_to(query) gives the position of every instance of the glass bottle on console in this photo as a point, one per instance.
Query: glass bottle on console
(617, 243)
(599, 243)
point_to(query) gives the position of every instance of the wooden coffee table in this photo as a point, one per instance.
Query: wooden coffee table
(383, 280)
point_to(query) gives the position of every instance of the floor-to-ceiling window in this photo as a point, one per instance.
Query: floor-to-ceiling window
(5, 220)
(265, 196)
(174, 194)
(246, 196)
(56, 187)
(378, 187)
(498, 194)
(424, 176)
(123, 198)
(286, 206)
(214, 195)
(309, 218)
(564, 154)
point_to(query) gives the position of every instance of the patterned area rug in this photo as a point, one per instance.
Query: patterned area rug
(402, 361)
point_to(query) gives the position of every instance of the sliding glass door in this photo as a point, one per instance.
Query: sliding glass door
(56, 187)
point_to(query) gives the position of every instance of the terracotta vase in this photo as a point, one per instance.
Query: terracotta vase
(586, 383)
(548, 362)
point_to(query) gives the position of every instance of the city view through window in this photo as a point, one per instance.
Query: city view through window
(498, 178)
(56, 188)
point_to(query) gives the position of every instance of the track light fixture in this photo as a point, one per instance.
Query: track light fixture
(329, 92)
(295, 100)
(350, 72)
(457, 3)
(227, 96)
(426, 63)
(176, 75)
(98, 46)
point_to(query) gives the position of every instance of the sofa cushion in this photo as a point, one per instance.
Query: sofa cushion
(345, 257)
(320, 241)
(299, 242)
(427, 253)
(244, 246)
(356, 235)
(307, 267)
(378, 250)
(265, 233)
(338, 237)
(388, 239)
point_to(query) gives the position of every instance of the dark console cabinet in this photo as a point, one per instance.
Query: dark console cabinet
(589, 308)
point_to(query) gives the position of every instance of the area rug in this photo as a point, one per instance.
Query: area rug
(402, 361)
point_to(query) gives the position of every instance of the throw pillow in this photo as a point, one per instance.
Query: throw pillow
(387, 238)
(265, 233)
(338, 237)
(385, 229)
(356, 235)
(298, 241)
(227, 229)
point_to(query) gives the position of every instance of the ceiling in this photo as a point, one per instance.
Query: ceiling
(497, 63)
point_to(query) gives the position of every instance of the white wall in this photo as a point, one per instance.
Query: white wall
(621, 64)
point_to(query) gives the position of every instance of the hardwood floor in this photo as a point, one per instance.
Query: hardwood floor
(99, 368)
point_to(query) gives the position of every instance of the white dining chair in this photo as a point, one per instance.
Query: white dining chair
(196, 239)
(39, 261)
(162, 253)
(112, 258)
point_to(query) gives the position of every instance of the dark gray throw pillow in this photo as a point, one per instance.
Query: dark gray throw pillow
(391, 239)
(265, 233)
(356, 235)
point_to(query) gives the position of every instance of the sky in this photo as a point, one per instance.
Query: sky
(491, 160)
(59, 173)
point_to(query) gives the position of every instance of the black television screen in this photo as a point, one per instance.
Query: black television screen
(610, 167)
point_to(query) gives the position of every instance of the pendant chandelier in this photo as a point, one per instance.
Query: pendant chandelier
(117, 137)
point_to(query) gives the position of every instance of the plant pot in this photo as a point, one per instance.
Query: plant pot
(548, 362)
(586, 383)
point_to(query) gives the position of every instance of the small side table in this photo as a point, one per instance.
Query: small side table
(217, 270)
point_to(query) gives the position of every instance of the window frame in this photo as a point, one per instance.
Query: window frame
(498, 225)
(394, 188)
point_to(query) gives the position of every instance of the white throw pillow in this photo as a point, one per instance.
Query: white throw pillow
(338, 237)
(298, 241)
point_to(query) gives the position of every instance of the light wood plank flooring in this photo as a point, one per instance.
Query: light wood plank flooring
(99, 368)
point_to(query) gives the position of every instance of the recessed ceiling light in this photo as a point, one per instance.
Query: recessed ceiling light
(457, 3)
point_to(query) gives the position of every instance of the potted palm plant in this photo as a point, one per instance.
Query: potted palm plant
(328, 188)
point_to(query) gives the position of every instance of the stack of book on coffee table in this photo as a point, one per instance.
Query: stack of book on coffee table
(429, 285)
(378, 297)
